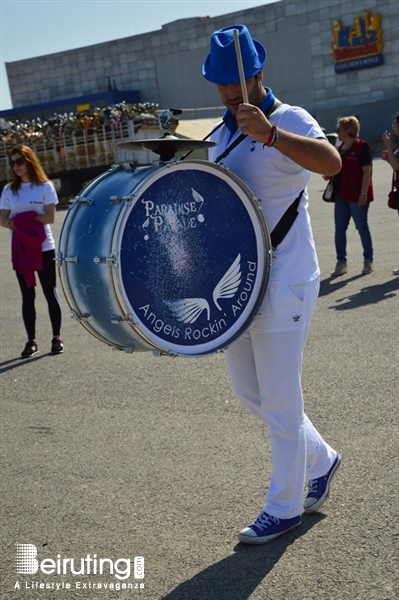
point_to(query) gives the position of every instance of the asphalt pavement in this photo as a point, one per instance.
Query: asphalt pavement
(113, 455)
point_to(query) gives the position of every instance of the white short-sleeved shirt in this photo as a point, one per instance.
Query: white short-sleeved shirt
(31, 197)
(277, 180)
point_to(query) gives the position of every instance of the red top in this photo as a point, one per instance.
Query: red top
(351, 175)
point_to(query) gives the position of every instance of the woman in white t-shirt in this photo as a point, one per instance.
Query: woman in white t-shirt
(27, 208)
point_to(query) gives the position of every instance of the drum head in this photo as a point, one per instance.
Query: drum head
(194, 258)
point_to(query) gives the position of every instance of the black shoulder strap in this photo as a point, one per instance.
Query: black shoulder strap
(231, 147)
(285, 223)
(273, 107)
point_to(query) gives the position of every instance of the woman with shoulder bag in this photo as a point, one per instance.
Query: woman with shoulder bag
(392, 157)
(352, 193)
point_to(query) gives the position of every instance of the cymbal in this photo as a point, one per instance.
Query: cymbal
(165, 146)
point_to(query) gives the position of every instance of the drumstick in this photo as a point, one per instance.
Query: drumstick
(240, 67)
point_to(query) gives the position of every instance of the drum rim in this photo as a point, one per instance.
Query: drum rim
(263, 244)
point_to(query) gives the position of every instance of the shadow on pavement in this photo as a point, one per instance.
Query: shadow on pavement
(237, 576)
(14, 363)
(371, 294)
(332, 284)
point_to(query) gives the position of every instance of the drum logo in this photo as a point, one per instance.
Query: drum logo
(189, 309)
(185, 214)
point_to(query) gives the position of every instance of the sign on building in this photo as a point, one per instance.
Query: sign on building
(360, 46)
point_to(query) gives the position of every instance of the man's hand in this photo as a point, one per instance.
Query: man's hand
(316, 155)
(253, 122)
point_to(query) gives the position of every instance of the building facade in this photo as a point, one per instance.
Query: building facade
(333, 57)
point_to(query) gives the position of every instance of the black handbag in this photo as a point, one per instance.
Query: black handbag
(328, 192)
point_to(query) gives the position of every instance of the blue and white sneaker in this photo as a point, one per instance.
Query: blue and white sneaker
(319, 488)
(265, 528)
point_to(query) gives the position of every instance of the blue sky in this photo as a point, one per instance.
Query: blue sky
(30, 28)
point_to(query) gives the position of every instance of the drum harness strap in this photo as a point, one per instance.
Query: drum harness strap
(288, 218)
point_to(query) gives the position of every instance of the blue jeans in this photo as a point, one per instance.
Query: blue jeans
(343, 211)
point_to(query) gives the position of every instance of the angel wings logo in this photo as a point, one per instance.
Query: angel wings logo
(188, 310)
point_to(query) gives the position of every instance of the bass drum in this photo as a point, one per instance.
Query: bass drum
(173, 258)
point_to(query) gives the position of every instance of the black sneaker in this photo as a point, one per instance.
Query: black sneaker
(57, 346)
(30, 349)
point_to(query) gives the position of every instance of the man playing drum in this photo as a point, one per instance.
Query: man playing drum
(275, 160)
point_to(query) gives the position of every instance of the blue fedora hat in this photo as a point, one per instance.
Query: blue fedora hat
(221, 64)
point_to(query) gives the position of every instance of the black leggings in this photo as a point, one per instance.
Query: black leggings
(48, 283)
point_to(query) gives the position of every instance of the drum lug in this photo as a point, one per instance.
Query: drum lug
(69, 259)
(127, 349)
(125, 319)
(81, 317)
(99, 260)
(159, 353)
(119, 199)
(80, 200)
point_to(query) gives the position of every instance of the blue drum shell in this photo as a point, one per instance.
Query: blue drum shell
(87, 238)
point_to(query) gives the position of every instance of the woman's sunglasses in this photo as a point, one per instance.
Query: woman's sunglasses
(18, 161)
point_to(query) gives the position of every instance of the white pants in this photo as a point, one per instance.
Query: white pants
(265, 366)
